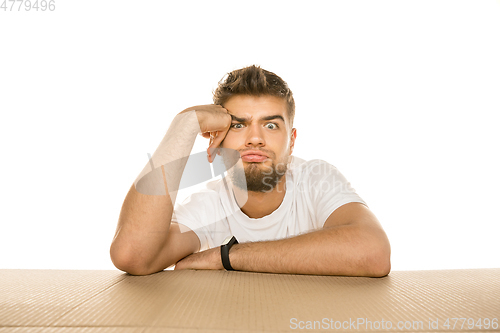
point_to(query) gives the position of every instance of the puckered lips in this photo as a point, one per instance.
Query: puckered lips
(254, 155)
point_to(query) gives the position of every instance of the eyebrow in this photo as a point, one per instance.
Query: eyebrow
(246, 120)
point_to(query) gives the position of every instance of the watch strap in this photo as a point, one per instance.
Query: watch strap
(224, 253)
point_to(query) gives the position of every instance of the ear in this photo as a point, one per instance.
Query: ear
(292, 139)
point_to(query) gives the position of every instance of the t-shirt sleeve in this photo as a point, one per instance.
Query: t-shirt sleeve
(200, 212)
(329, 190)
(192, 213)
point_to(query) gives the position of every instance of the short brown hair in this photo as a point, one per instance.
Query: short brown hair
(254, 81)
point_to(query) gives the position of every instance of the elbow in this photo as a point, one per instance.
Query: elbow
(379, 256)
(379, 264)
(380, 267)
(127, 263)
(130, 268)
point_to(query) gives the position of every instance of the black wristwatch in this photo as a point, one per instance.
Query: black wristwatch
(224, 252)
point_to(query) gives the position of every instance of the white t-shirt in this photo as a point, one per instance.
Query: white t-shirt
(314, 189)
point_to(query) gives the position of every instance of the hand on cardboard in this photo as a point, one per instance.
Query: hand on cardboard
(208, 259)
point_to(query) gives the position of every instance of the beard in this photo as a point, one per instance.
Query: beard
(259, 177)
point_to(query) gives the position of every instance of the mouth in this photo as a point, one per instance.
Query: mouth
(254, 156)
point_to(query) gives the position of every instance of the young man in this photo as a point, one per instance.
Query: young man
(284, 214)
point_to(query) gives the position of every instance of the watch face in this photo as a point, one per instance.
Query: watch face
(227, 240)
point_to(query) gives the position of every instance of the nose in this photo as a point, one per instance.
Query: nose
(255, 137)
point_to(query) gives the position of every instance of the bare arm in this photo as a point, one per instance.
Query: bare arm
(145, 241)
(356, 248)
(352, 243)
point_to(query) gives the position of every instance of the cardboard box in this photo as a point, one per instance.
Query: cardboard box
(221, 301)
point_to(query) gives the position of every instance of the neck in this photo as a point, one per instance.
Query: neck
(260, 204)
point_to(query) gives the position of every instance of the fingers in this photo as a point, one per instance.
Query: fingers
(212, 137)
(212, 147)
(213, 119)
(215, 141)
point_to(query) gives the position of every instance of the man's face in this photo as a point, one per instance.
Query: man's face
(260, 131)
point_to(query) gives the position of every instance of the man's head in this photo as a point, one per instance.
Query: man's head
(254, 81)
(262, 110)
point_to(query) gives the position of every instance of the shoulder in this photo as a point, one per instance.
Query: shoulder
(318, 178)
(312, 168)
(203, 201)
(199, 210)
(211, 191)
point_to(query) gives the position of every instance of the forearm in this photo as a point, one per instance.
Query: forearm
(147, 210)
(343, 250)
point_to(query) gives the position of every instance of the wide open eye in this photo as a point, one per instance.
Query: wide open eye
(236, 124)
(273, 125)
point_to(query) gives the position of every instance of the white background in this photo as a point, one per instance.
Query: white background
(401, 96)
